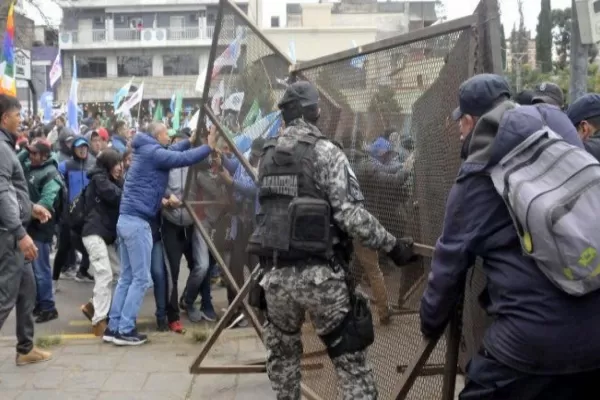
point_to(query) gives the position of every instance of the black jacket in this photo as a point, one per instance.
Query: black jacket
(102, 201)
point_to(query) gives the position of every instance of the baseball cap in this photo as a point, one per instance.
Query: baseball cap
(585, 107)
(479, 94)
(525, 97)
(257, 146)
(80, 141)
(380, 146)
(548, 93)
(102, 132)
(304, 92)
(40, 146)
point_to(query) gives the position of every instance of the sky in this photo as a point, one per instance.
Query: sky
(454, 8)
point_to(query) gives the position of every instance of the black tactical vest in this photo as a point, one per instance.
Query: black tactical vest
(294, 220)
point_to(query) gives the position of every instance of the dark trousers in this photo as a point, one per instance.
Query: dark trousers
(68, 242)
(17, 290)
(177, 242)
(488, 379)
(240, 257)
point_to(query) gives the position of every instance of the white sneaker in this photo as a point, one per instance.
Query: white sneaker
(55, 287)
(236, 322)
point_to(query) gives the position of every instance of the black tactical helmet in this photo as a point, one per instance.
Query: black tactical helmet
(304, 92)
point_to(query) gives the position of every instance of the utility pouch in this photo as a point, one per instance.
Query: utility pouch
(310, 226)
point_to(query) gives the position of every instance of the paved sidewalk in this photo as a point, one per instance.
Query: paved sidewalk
(82, 370)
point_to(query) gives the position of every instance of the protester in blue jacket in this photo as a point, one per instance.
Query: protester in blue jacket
(541, 344)
(140, 203)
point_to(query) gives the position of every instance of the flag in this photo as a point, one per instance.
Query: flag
(201, 80)
(172, 104)
(229, 57)
(259, 129)
(292, 51)
(72, 111)
(9, 84)
(215, 103)
(177, 113)
(252, 114)
(56, 70)
(131, 102)
(121, 94)
(158, 113)
(274, 129)
(358, 61)
(46, 100)
(193, 122)
(234, 102)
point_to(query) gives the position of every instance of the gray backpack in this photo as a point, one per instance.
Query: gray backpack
(552, 191)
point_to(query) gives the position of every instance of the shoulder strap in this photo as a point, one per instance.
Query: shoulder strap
(539, 110)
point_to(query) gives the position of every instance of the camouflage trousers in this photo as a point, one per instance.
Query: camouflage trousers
(291, 292)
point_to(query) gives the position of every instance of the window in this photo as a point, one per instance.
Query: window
(134, 66)
(91, 67)
(274, 22)
(185, 64)
(597, 7)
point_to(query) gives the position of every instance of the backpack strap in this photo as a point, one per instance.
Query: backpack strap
(539, 110)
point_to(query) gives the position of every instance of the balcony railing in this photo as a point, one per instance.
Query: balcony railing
(97, 36)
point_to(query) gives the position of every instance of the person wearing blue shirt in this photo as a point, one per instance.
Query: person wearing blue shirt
(140, 203)
(245, 197)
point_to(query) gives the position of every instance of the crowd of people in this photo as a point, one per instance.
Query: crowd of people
(116, 197)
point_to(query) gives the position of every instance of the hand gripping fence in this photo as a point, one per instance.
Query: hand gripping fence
(401, 89)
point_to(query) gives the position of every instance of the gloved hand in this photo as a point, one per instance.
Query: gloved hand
(402, 253)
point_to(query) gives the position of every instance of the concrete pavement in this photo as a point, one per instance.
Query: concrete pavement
(88, 369)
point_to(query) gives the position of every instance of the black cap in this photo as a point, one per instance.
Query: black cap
(304, 92)
(525, 97)
(257, 146)
(479, 94)
(548, 93)
(584, 108)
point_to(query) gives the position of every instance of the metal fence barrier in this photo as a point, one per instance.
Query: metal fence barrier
(388, 105)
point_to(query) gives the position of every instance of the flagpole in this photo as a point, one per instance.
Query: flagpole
(138, 114)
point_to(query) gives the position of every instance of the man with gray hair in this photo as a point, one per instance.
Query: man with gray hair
(142, 198)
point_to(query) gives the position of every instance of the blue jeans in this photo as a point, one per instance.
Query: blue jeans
(159, 277)
(43, 277)
(135, 248)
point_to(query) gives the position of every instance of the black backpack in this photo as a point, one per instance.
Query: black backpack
(77, 212)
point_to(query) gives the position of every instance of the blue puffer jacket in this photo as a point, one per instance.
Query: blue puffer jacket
(74, 172)
(148, 175)
(537, 328)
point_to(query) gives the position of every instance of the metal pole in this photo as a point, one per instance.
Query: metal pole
(579, 59)
(519, 71)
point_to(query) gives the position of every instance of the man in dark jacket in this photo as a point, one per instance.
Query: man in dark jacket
(17, 248)
(143, 192)
(74, 172)
(584, 113)
(536, 348)
(45, 185)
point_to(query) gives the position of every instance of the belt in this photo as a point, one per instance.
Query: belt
(268, 262)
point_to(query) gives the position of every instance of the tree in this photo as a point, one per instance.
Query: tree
(255, 83)
(543, 40)
(561, 24)
(523, 35)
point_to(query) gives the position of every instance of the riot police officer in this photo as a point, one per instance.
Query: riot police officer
(311, 205)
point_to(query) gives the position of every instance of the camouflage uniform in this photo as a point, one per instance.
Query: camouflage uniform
(320, 289)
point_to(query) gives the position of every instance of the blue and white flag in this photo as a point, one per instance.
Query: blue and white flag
(121, 94)
(260, 128)
(72, 120)
(172, 104)
(46, 100)
(358, 61)
(56, 70)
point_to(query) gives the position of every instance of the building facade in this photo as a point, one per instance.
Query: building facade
(164, 44)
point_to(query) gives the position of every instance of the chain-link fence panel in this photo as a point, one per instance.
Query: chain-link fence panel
(388, 107)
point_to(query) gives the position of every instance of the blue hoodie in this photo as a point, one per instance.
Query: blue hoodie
(148, 175)
(537, 328)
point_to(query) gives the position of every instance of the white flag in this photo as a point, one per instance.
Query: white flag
(234, 102)
(132, 101)
(215, 104)
(56, 70)
(193, 122)
(201, 80)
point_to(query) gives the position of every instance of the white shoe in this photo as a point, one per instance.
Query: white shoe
(55, 287)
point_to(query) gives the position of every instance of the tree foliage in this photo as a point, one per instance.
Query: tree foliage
(503, 41)
(255, 83)
(384, 108)
(543, 41)
(561, 28)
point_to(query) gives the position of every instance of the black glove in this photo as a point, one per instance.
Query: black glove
(402, 253)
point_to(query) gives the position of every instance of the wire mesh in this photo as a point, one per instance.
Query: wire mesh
(389, 109)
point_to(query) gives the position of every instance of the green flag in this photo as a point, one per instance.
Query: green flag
(158, 114)
(252, 114)
(177, 112)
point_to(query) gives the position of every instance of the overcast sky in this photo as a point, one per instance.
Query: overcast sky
(454, 8)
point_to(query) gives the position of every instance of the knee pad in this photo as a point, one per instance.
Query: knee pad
(354, 333)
